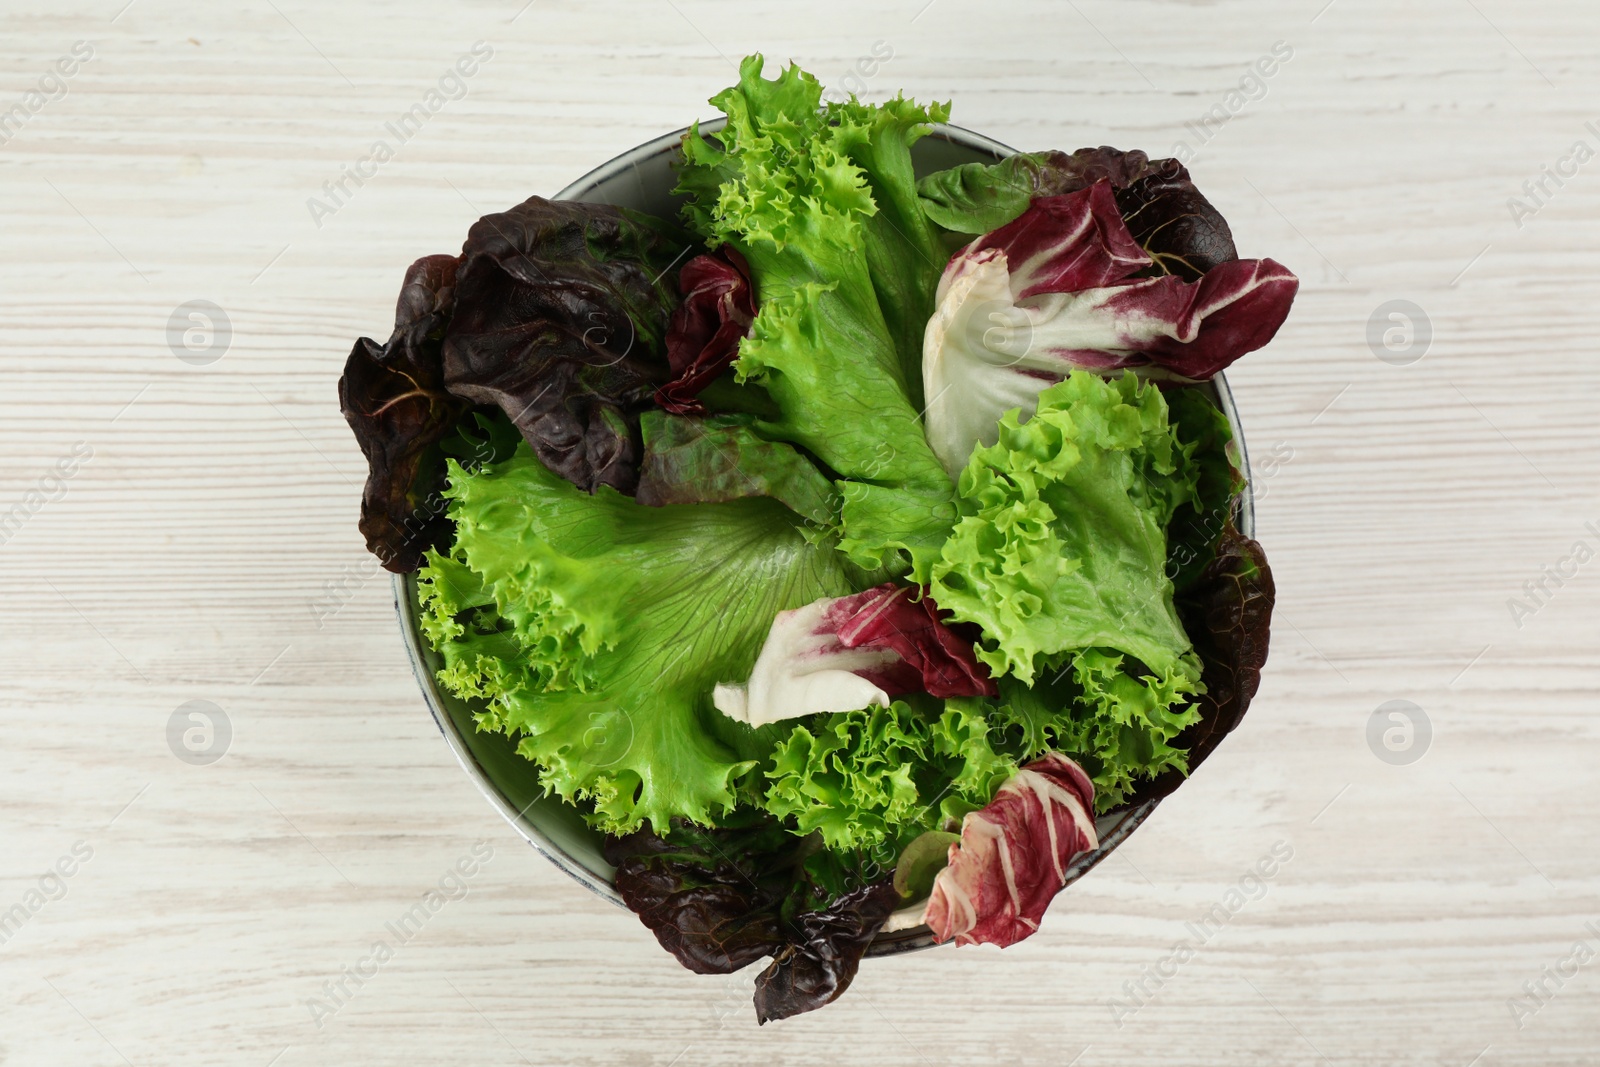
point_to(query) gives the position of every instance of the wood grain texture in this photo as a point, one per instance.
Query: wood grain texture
(184, 559)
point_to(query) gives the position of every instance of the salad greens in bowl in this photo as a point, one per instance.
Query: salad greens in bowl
(825, 532)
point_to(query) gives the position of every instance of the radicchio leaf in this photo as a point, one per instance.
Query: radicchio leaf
(979, 197)
(853, 652)
(1054, 291)
(815, 968)
(561, 308)
(1166, 214)
(1013, 855)
(704, 333)
(934, 656)
(1060, 245)
(1228, 615)
(394, 398)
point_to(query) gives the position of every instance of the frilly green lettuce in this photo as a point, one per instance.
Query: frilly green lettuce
(1121, 728)
(1061, 557)
(596, 629)
(885, 774)
(1062, 541)
(823, 206)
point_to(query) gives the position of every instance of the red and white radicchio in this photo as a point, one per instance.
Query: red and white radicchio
(851, 652)
(1013, 855)
(1054, 291)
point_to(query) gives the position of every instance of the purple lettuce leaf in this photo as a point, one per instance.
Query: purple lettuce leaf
(394, 398)
(815, 968)
(1173, 222)
(721, 898)
(715, 914)
(561, 312)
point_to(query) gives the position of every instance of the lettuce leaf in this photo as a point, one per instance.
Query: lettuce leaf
(885, 774)
(561, 309)
(796, 190)
(1125, 730)
(904, 253)
(719, 899)
(597, 627)
(976, 198)
(705, 460)
(1062, 541)
(1197, 525)
(394, 399)
(1139, 734)
(1228, 610)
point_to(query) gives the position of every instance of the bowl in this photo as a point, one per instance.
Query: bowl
(642, 179)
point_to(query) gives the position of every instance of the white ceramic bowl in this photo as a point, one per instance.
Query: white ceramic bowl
(642, 179)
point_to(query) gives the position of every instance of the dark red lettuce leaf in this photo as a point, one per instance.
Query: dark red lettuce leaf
(1228, 616)
(1174, 223)
(394, 398)
(704, 333)
(816, 967)
(721, 898)
(561, 311)
(715, 915)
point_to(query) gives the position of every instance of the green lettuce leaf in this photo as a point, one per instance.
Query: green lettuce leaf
(904, 253)
(1198, 524)
(976, 198)
(597, 627)
(1062, 541)
(1228, 610)
(884, 774)
(796, 190)
(1121, 728)
(1061, 558)
(691, 460)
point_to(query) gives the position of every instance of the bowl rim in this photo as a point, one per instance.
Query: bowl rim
(888, 942)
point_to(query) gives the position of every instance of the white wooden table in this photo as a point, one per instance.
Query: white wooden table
(193, 554)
